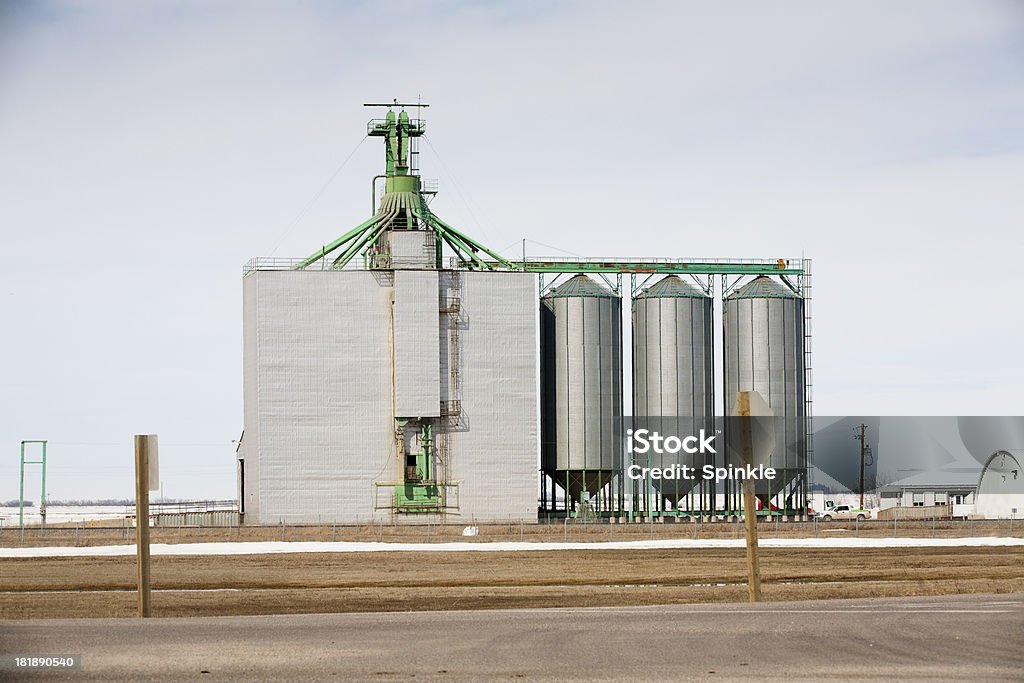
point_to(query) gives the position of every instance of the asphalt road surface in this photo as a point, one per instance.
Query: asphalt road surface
(972, 637)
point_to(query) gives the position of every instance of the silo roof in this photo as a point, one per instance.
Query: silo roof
(672, 286)
(580, 285)
(763, 287)
(1004, 476)
(1016, 456)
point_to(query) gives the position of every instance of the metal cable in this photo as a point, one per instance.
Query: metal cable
(316, 196)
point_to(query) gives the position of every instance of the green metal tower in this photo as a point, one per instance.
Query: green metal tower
(421, 486)
(403, 206)
(21, 489)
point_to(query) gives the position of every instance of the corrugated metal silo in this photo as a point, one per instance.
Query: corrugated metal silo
(764, 352)
(581, 356)
(673, 369)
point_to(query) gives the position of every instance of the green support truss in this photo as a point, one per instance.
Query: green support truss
(403, 207)
(657, 267)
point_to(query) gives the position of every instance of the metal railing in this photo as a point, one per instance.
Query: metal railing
(623, 264)
(789, 263)
(416, 125)
(190, 506)
(274, 263)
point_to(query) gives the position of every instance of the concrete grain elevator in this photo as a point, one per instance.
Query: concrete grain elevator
(382, 381)
(406, 373)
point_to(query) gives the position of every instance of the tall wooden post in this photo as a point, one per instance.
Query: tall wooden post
(142, 442)
(860, 437)
(749, 505)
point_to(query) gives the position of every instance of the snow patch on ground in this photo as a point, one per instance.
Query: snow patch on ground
(268, 547)
(62, 514)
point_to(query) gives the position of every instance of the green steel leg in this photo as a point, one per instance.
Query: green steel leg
(21, 491)
(42, 496)
(21, 483)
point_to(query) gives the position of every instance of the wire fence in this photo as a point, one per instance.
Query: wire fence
(122, 531)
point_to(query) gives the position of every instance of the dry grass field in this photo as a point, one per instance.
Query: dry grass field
(398, 581)
(116, 532)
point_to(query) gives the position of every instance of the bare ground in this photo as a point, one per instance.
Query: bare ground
(116, 532)
(400, 581)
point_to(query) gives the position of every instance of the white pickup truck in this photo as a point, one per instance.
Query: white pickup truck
(833, 511)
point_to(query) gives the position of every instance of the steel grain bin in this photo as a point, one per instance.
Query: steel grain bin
(764, 352)
(673, 369)
(581, 360)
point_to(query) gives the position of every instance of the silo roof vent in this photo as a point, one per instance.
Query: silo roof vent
(764, 287)
(580, 285)
(672, 286)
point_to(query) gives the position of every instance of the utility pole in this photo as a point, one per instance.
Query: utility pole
(750, 404)
(146, 474)
(860, 437)
(749, 506)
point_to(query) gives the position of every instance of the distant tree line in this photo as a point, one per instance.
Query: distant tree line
(93, 502)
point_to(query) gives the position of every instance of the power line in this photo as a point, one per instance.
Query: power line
(315, 197)
(478, 225)
(549, 246)
(129, 443)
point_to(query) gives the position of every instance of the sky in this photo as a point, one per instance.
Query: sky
(149, 149)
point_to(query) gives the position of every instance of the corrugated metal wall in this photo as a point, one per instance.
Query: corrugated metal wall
(416, 343)
(321, 389)
(319, 413)
(495, 450)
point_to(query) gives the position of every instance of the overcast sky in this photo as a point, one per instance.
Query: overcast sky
(149, 149)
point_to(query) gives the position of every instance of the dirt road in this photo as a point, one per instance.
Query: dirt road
(417, 581)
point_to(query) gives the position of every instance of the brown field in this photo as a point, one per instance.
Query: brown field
(397, 581)
(115, 532)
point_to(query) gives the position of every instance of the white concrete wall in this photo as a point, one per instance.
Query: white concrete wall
(1000, 505)
(416, 342)
(412, 248)
(248, 449)
(319, 382)
(495, 450)
(318, 394)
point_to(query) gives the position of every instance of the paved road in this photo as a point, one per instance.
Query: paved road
(977, 637)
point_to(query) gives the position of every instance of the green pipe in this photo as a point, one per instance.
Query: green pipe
(456, 247)
(21, 491)
(369, 236)
(328, 248)
(462, 247)
(21, 482)
(380, 223)
(373, 192)
(449, 235)
(463, 251)
(42, 495)
(474, 243)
